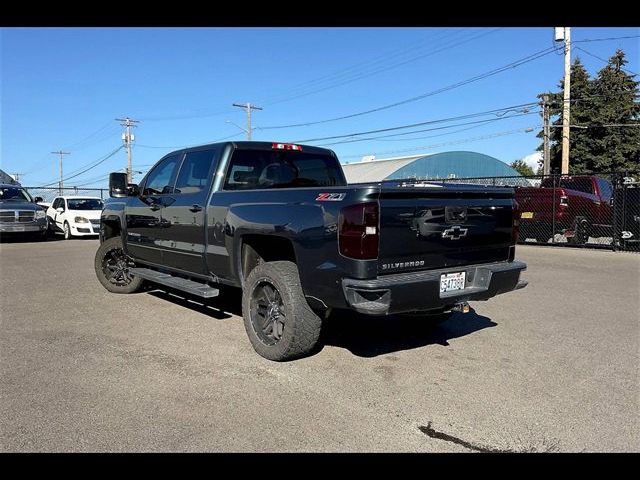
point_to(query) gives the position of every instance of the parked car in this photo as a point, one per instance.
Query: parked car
(577, 206)
(74, 216)
(280, 221)
(19, 212)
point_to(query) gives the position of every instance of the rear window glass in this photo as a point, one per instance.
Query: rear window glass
(579, 184)
(258, 169)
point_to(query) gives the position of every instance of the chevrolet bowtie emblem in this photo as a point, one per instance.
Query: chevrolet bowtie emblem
(455, 233)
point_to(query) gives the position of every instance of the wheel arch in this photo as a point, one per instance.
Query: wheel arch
(257, 248)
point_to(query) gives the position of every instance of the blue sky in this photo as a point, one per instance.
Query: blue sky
(62, 88)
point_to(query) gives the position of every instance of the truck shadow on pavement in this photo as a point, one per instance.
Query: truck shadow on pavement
(372, 336)
(361, 335)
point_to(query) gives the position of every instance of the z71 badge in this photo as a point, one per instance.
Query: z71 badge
(330, 197)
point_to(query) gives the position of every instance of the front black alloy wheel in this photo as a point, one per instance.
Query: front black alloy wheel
(115, 267)
(112, 268)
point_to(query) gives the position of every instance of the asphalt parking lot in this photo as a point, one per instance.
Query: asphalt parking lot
(553, 367)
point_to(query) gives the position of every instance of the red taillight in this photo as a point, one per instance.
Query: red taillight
(515, 226)
(359, 233)
(286, 146)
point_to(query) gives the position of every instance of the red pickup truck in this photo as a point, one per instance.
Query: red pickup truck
(577, 207)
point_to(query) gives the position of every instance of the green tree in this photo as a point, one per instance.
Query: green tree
(581, 113)
(608, 99)
(522, 168)
(615, 147)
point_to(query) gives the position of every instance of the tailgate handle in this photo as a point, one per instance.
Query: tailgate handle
(455, 214)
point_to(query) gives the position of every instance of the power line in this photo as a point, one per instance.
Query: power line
(76, 145)
(360, 65)
(603, 60)
(100, 161)
(418, 124)
(333, 76)
(184, 116)
(483, 123)
(605, 39)
(600, 126)
(188, 146)
(384, 69)
(466, 140)
(498, 112)
(515, 64)
(476, 122)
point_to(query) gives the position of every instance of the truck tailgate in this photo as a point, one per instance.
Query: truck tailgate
(435, 227)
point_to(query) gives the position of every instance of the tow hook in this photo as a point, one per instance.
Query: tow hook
(462, 307)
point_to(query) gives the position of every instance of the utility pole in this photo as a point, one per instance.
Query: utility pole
(16, 176)
(546, 156)
(127, 138)
(566, 111)
(61, 184)
(248, 107)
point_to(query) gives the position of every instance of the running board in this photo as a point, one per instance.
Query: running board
(179, 283)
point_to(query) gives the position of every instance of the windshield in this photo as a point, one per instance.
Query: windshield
(84, 204)
(14, 194)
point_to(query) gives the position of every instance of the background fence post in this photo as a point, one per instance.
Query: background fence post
(616, 195)
(553, 210)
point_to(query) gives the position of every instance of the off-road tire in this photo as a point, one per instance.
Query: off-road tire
(114, 244)
(581, 229)
(301, 326)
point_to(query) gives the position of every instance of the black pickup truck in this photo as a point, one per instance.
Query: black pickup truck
(280, 221)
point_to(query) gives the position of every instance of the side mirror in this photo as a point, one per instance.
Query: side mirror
(59, 209)
(38, 199)
(117, 184)
(133, 189)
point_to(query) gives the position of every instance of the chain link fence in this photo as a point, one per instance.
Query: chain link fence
(596, 211)
(49, 193)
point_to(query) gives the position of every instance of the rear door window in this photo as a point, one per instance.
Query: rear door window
(195, 172)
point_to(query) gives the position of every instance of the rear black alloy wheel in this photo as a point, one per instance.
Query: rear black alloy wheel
(267, 313)
(581, 232)
(277, 317)
(112, 268)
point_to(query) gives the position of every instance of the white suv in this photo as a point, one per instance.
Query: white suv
(75, 216)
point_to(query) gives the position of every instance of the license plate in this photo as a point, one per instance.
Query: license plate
(18, 228)
(526, 215)
(450, 282)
